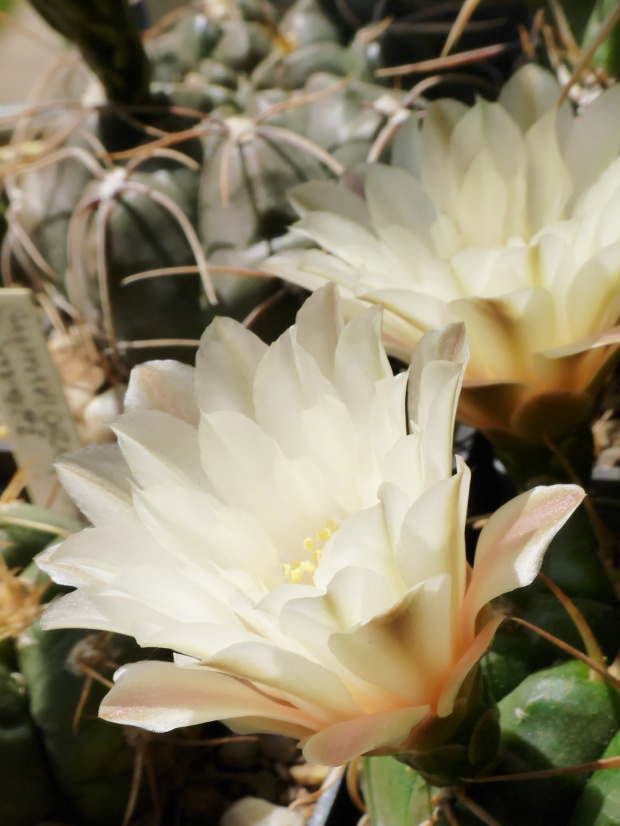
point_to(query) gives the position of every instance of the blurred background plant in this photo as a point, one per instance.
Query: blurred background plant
(144, 180)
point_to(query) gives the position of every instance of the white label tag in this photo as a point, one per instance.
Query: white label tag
(32, 401)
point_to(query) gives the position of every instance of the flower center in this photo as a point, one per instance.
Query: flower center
(313, 547)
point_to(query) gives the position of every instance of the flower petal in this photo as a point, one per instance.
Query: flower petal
(435, 379)
(512, 543)
(319, 324)
(196, 529)
(96, 555)
(167, 386)
(594, 141)
(343, 237)
(432, 538)
(529, 94)
(360, 362)
(468, 660)
(161, 696)
(328, 196)
(288, 381)
(315, 689)
(98, 481)
(344, 741)
(406, 650)
(159, 448)
(226, 364)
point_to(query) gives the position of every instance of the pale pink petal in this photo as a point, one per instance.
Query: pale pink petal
(161, 696)
(512, 544)
(252, 725)
(342, 742)
(474, 652)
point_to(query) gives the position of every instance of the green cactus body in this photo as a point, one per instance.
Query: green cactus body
(554, 718)
(93, 766)
(27, 790)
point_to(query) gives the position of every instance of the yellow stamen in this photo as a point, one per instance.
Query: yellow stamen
(296, 571)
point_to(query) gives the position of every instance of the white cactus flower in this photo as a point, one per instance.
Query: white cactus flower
(272, 518)
(507, 218)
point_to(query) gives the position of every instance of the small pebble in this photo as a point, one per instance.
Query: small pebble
(251, 811)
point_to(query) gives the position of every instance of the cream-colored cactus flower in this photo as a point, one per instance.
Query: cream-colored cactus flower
(271, 518)
(506, 217)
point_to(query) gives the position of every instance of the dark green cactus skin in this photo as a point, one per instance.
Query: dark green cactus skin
(107, 35)
(600, 802)
(27, 789)
(557, 717)
(93, 767)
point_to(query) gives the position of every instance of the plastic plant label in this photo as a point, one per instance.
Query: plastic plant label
(32, 402)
